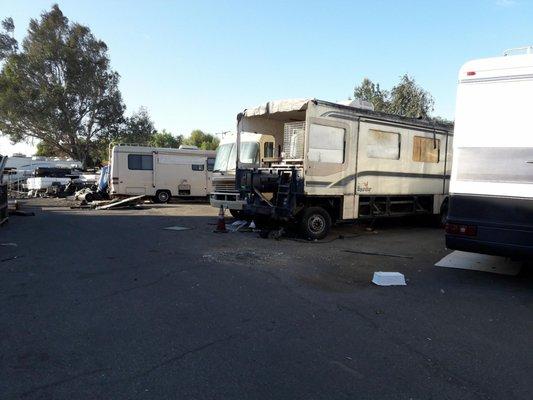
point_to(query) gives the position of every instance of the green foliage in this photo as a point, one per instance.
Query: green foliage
(166, 139)
(407, 98)
(137, 129)
(372, 92)
(8, 44)
(204, 141)
(59, 87)
(46, 150)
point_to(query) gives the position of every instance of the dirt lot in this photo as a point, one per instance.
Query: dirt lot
(109, 304)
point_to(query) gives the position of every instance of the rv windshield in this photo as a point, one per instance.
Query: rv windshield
(227, 155)
(223, 155)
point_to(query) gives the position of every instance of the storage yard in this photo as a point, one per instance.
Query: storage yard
(112, 305)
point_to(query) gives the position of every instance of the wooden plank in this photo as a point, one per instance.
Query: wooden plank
(121, 202)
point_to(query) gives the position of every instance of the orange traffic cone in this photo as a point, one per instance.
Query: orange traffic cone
(221, 223)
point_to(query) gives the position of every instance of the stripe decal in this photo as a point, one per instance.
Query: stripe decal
(498, 78)
(347, 179)
(349, 117)
(402, 174)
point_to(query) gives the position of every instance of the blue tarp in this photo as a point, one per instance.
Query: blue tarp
(103, 181)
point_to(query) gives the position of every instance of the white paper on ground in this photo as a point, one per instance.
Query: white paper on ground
(388, 279)
(480, 262)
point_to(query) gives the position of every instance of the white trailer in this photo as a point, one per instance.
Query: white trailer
(256, 150)
(491, 191)
(344, 162)
(160, 172)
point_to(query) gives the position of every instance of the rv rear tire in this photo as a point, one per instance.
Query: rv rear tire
(315, 223)
(162, 196)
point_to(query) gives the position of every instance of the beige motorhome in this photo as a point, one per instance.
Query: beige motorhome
(344, 162)
(161, 173)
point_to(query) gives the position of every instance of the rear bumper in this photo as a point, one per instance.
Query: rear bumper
(230, 200)
(504, 225)
(506, 249)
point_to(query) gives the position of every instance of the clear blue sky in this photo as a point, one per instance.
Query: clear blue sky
(195, 64)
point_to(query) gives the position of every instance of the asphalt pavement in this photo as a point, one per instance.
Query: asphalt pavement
(110, 305)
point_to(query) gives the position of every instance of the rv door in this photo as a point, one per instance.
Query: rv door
(154, 169)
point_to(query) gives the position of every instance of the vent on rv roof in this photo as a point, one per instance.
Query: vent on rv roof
(518, 51)
(188, 147)
(358, 103)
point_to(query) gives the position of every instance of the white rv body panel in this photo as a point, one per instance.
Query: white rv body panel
(139, 170)
(493, 147)
(491, 190)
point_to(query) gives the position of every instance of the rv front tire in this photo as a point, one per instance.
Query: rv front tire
(315, 223)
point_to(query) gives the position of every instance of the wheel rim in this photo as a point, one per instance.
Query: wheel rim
(316, 223)
(163, 196)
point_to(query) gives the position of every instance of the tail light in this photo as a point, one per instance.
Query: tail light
(464, 230)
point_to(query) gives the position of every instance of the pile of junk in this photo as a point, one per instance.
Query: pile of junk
(68, 183)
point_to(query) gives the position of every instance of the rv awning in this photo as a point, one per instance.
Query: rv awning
(277, 106)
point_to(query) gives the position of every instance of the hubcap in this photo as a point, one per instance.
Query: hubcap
(163, 196)
(316, 223)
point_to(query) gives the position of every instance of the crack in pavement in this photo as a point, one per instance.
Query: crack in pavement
(62, 381)
(176, 358)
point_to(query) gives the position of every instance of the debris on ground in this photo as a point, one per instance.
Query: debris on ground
(480, 262)
(9, 258)
(388, 279)
(236, 225)
(121, 202)
(249, 257)
(372, 253)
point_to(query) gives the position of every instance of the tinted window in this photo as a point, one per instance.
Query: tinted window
(197, 167)
(210, 164)
(269, 150)
(140, 162)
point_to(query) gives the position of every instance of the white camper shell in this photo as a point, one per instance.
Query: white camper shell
(340, 162)
(161, 173)
(491, 202)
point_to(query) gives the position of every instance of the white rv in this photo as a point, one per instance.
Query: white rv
(491, 202)
(160, 172)
(255, 150)
(344, 162)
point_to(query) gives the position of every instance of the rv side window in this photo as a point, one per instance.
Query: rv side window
(211, 164)
(197, 167)
(268, 150)
(426, 149)
(383, 144)
(140, 162)
(326, 144)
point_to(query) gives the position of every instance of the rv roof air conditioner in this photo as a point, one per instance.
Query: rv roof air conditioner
(519, 51)
(358, 103)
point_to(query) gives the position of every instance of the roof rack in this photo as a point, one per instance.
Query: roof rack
(519, 50)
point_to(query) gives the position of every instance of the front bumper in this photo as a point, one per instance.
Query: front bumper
(230, 200)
